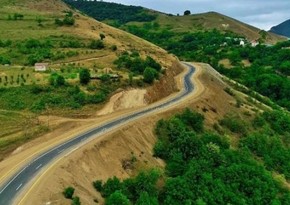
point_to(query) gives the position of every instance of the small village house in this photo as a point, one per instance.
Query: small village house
(40, 67)
(242, 43)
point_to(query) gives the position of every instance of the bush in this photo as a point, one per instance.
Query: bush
(76, 201)
(96, 44)
(69, 192)
(187, 12)
(149, 75)
(234, 124)
(60, 81)
(98, 185)
(117, 198)
(84, 76)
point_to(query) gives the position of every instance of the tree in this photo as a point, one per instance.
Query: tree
(98, 185)
(111, 186)
(102, 36)
(150, 62)
(76, 201)
(68, 192)
(149, 75)
(60, 81)
(96, 44)
(69, 21)
(187, 12)
(84, 76)
(145, 199)
(117, 198)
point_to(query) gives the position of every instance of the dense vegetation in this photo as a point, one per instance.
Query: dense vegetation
(119, 13)
(268, 66)
(39, 97)
(202, 168)
(30, 51)
(149, 68)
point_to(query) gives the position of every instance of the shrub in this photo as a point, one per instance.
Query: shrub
(149, 75)
(76, 201)
(117, 198)
(68, 192)
(234, 124)
(98, 185)
(96, 44)
(85, 76)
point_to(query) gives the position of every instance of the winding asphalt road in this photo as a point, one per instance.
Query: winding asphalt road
(17, 183)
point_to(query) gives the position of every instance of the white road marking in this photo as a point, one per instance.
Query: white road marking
(38, 167)
(19, 187)
(12, 180)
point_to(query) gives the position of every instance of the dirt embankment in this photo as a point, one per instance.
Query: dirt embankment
(166, 85)
(141, 97)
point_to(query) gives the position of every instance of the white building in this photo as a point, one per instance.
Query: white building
(254, 43)
(41, 67)
(242, 43)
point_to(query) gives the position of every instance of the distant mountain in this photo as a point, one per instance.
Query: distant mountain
(282, 29)
(119, 15)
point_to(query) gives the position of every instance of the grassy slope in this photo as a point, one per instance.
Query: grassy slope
(85, 29)
(212, 20)
(203, 21)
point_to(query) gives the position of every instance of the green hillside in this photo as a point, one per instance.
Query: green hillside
(204, 166)
(215, 39)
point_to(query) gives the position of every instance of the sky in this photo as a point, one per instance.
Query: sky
(260, 13)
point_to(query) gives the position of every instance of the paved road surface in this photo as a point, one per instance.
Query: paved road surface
(13, 186)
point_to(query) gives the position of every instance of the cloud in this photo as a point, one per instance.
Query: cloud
(260, 13)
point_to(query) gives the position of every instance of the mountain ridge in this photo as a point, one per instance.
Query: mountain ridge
(194, 22)
(282, 28)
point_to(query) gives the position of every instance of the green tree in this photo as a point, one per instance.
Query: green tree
(68, 192)
(98, 185)
(59, 81)
(145, 199)
(187, 12)
(149, 75)
(102, 36)
(117, 198)
(85, 76)
(112, 185)
(96, 44)
(76, 201)
(150, 62)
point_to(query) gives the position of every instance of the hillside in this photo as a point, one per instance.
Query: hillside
(80, 54)
(110, 13)
(236, 151)
(282, 29)
(242, 52)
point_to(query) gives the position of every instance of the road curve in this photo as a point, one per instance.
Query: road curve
(10, 189)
